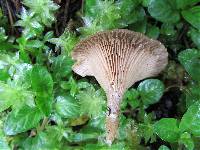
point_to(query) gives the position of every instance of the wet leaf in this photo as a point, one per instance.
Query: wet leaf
(167, 129)
(190, 59)
(186, 139)
(164, 11)
(192, 16)
(191, 120)
(150, 91)
(22, 120)
(67, 107)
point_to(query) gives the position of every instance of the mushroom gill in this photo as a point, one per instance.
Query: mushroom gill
(118, 59)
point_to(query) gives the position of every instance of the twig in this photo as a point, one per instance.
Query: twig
(44, 123)
(65, 13)
(10, 17)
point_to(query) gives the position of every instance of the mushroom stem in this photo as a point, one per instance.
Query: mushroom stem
(112, 118)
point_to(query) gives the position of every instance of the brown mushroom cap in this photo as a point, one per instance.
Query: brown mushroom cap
(118, 59)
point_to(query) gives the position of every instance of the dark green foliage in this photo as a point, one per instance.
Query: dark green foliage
(45, 106)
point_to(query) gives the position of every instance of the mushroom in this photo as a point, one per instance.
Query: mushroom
(118, 59)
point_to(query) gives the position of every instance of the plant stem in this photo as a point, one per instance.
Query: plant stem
(112, 119)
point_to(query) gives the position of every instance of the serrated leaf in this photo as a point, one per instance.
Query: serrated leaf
(192, 16)
(191, 120)
(151, 91)
(167, 129)
(22, 120)
(164, 11)
(67, 107)
(190, 59)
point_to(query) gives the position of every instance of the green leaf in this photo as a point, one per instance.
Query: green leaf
(22, 120)
(164, 11)
(44, 10)
(66, 41)
(48, 36)
(117, 146)
(186, 139)
(67, 107)
(4, 74)
(44, 103)
(31, 26)
(41, 80)
(48, 140)
(42, 84)
(7, 96)
(152, 32)
(195, 36)
(192, 94)
(130, 12)
(192, 16)
(3, 36)
(91, 101)
(191, 120)
(163, 147)
(151, 91)
(168, 29)
(167, 129)
(12, 95)
(146, 3)
(190, 59)
(71, 85)
(34, 44)
(146, 130)
(97, 122)
(62, 66)
(4, 145)
(185, 3)
(139, 26)
(3, 141)
(85, 135)
(131, 97)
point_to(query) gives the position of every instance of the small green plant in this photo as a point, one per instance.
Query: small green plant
(44, 106)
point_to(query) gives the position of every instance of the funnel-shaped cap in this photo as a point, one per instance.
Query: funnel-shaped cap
(118, 59)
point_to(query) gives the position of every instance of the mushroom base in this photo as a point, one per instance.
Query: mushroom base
(112, 119)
